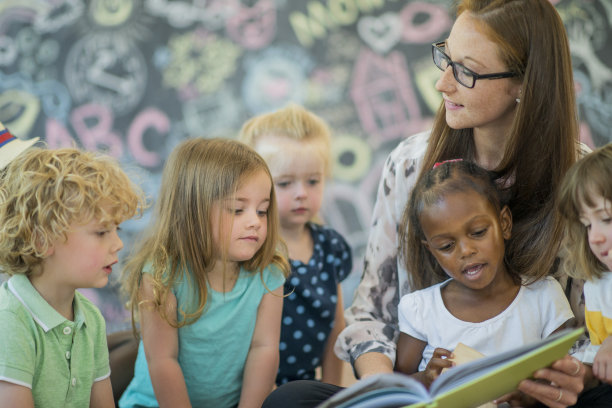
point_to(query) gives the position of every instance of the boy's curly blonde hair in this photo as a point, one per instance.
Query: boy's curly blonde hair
(44, 192)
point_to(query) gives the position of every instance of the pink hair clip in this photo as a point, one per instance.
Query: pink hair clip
(446, 161)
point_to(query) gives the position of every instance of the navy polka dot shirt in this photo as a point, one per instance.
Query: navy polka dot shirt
(309, 309)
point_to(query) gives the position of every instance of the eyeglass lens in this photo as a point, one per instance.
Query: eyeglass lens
(461, 74)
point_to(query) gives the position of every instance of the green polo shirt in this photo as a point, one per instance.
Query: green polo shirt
(58, 359)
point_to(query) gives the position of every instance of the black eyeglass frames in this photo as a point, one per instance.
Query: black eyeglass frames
(462, 74)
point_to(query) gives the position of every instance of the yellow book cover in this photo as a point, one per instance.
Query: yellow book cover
(464, 386)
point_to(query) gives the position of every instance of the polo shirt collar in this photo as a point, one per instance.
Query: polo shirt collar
(42, 312)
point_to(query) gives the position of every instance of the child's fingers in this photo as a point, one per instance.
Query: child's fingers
(608, 377)
(603, 371)
(440, 360)
(442, 353)
(596, 368)
(438, 364)
(602, 366)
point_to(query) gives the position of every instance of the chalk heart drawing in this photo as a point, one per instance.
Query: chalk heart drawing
(380, 33)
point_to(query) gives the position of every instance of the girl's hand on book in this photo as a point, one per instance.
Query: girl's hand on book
(602, 364)
(439, 361)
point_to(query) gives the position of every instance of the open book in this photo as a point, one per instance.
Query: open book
(466, 385)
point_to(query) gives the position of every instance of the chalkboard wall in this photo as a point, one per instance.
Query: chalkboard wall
(135, 77)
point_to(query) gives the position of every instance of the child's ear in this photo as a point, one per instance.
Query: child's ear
(505, 219)
(50, 250)
(39, 239)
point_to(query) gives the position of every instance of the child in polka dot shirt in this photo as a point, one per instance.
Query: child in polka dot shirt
(296, 145)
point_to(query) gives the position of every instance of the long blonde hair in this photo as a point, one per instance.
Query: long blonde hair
(198, 173)
(542, 141)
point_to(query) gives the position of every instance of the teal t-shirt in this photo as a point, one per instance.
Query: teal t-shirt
(214, 349)
(58, 359)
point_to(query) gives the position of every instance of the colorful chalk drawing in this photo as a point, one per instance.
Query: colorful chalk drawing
(275, 77)
(107, 69)
(319, 18)
(253, 27)
(384, 96)
(133, 78)
(201, 60)
(380, 33)
(211, 14)
(435, 24)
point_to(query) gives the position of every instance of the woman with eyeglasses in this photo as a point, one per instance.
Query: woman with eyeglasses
(509, 106)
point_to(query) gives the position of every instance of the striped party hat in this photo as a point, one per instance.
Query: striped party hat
(11, 147)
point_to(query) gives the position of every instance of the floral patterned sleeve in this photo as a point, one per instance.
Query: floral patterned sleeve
(372, 322)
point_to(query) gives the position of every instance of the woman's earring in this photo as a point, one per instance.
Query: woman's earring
(518, 100)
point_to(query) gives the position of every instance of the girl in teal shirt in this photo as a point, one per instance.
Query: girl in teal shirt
(206, 282)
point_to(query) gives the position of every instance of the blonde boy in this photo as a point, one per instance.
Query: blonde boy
(59, 216)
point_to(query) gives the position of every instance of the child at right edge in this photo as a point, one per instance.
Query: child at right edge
(296, 145)
(585, 201)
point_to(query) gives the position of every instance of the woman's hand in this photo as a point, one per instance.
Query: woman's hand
(557, 386)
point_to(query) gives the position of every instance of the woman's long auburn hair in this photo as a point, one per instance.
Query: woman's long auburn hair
(543, 139)
(198, 173)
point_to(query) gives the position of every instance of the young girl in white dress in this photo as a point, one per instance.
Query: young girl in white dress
(453, 232)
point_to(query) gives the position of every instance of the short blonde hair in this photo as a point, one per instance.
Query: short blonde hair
(45, 191)
(294, 122)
